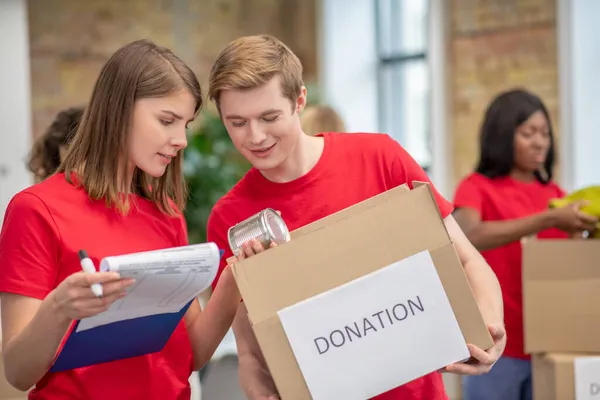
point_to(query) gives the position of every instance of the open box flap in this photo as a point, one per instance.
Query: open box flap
(282, 276)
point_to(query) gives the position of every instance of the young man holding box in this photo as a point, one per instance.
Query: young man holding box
(257, 86)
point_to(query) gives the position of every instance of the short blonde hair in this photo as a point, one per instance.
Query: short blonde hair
(319, 118)
(138, 70)
(252, 61)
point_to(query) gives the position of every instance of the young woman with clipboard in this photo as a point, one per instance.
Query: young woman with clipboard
(119, 190)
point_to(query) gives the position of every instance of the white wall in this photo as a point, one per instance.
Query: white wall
(579, 68)
(348, 72)
(348, 62)
(439, 32)
(15, 104)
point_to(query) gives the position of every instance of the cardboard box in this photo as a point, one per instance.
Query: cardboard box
(559, 376)
(561, 282)
(330, 268)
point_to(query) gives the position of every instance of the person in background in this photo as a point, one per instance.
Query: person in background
(503, 201)
(49, 149)
(44, 159)
(256, 84)
(119, 190)
(320, 118)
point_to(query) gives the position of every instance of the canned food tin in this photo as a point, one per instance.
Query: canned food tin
(266, 226)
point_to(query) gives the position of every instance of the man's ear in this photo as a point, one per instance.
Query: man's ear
(301, 100)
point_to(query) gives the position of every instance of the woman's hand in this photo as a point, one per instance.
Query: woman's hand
(571, 219)
(249, 249)
(74, 298)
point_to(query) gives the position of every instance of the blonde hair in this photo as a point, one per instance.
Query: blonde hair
(252, 61)
(140, 69)
(319, 118)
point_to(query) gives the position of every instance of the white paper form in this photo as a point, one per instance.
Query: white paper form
(376, 332)
(165, 281)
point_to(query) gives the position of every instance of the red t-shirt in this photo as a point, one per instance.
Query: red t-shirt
(504, 199)
(44, 228)
(352, 168)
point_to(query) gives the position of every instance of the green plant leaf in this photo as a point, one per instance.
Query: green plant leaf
(212, 166)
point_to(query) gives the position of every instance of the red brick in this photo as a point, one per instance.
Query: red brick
(496, 46)
(71, 39)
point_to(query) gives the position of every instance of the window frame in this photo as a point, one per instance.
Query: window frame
(400, 58)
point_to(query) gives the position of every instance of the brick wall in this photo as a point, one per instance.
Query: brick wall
(496, 45)
(71, 39)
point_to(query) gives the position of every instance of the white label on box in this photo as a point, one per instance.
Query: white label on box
(587, 378)
(375, 333)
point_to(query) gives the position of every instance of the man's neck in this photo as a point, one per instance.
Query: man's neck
(303, 158)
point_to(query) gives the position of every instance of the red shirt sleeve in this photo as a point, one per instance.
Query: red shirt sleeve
(405, 169)
(217, 233)
(29, 248)
(468, 194)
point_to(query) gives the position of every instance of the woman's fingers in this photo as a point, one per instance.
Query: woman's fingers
(90, 306)
(108, 288)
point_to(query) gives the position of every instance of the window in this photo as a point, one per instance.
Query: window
(403, 74)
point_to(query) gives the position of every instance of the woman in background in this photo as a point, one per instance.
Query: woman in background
(44, 159)
(319, 118)
(119, 190)
(503, 201)
(49, 149)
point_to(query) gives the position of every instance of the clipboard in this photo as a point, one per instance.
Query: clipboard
(117, 340)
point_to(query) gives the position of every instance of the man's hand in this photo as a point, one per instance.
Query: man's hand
(481, 362)
(488, 295)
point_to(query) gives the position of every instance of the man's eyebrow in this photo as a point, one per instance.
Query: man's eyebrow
(270, 111)
(264, 113)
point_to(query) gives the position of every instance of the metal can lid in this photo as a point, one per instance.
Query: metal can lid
(276, 226)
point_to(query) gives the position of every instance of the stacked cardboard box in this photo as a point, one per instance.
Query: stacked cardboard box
(561, 299)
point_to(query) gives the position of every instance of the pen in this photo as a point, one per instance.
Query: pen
(88, 266)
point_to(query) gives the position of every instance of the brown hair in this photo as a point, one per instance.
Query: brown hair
(140, 69)
(320, 118)
(44, 157)
(252, 61)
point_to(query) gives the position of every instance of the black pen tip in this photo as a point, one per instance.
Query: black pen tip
(82, 254)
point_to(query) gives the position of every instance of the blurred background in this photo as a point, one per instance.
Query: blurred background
(421, 70)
